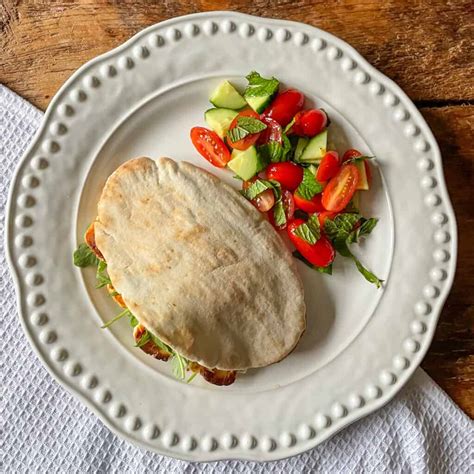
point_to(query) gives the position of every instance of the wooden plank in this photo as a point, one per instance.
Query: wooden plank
(450, 359)
(424, 46)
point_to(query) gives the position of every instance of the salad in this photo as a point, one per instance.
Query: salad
(280, 152)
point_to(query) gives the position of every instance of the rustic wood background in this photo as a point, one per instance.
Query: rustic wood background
(425, 46)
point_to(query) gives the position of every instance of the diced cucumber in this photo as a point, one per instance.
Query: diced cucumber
(247, 163)
(259, 103)
(363, 181)
(300, 146)
(226, 96)
(220, 119)
(315, 149)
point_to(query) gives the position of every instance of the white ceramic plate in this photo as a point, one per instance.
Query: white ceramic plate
(361, 344)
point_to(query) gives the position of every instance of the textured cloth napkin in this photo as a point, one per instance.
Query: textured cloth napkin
(45, 429)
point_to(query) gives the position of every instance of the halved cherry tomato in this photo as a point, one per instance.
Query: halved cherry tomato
(288, 205)
(309, 123)
(287, 173)
(247, 141)
(341, 188)
(264, 201)
(285, 106)
(272, 133)
(320, 254)
(349, 154)
(328, 167)
(210, 146)
(312, 206)
(322, 216)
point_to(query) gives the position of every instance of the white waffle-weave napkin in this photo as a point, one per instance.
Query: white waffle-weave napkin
(45, 429)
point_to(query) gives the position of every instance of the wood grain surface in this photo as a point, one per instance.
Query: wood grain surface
(425, 46)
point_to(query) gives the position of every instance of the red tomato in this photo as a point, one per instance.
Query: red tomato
(322, 216)
(210, 146)
(309, 206)
(247, 141)
(328, 167)
(287, 173)
(349, 154)
(341, 188)
(285, 106)
(309, 123)
(272, 133)
(288, 205)
(320, 254)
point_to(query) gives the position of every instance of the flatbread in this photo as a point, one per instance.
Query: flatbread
(198, 265)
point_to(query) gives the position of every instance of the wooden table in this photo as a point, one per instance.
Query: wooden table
(425, 46)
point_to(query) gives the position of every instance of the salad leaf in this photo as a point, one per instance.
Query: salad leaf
(84, 256)
(143, 339)
(309, 186)
(179, 366)
(275, 152)
(157, 341)
(257, 187)
(279, 215)
(133, 320)
(327, 270)
(245, 126)
(341, 232)
(358, 159)
(191, 377)
(113, 320)
(259, 86)
(309, 231)
(101, 275)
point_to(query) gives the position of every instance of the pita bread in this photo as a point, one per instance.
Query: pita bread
(198, 265)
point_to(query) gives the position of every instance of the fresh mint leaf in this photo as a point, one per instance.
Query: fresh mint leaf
(271, 152)
(245, 126)
(256, 188)
(340, 231)
(158, 342)
(259, 86)
(309, 186)
(309, 231)
(288, 127)
(279, 215)
(84, 256)
(101, 275)
(327, 270)
(133, 320)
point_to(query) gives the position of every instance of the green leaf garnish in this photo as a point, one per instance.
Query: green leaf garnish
(259, 86)
(245, 126)
(257, 187)
(327, 270)
(179, 366)
(309, 186)
(309, 231)
(113, 320)
(191, 377)
(341, 232)
(84, 256)
(143, 339)
(358, 159)
(279, 215)
(101, 275)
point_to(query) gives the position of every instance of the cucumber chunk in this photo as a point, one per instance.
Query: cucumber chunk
(226, 96)
(315, 149)
(220, 119)
(247, 163)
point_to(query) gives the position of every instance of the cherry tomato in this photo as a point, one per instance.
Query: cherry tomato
(210, 146)
(285, 106)
(272, 133)
(247, 141)
(322, 216)
(312, 206)
(328, 167)
(341, 188)
(287, 173)
(264, 201)
(288, 205)
(349, 154)
(320, 254)
(309, 123)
